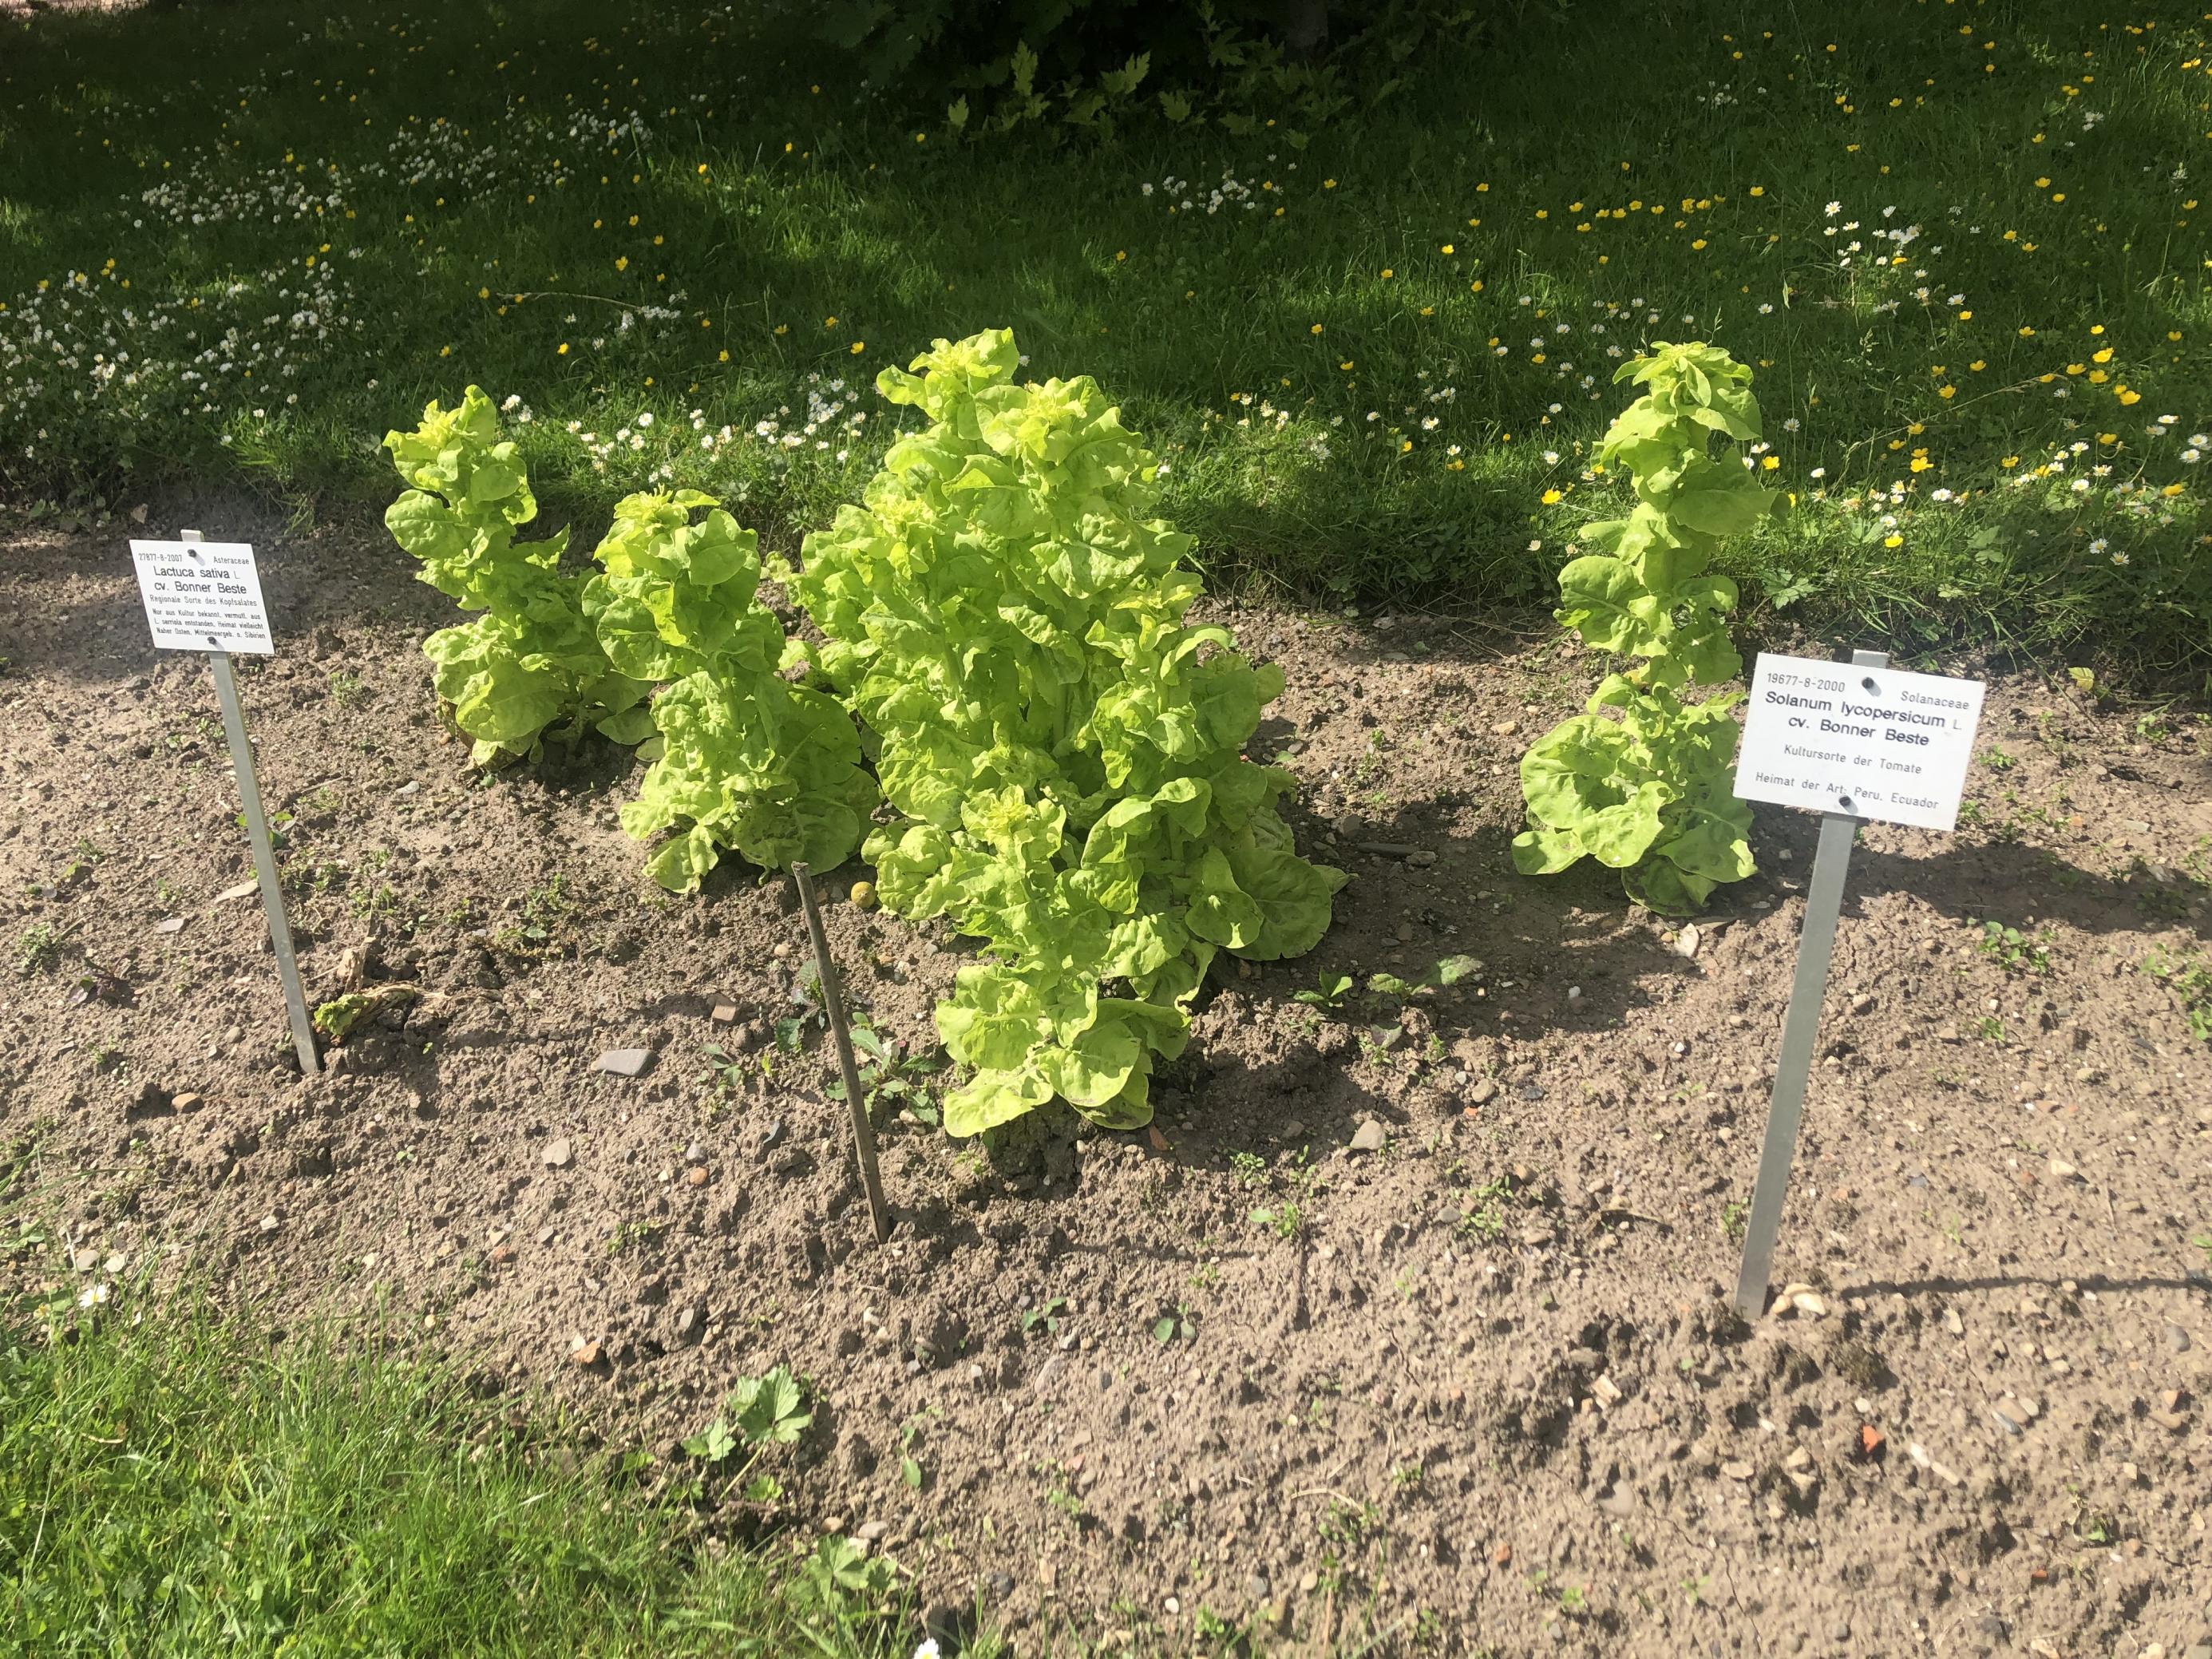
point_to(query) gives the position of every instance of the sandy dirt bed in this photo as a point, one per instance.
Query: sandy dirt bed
(1468, 1383)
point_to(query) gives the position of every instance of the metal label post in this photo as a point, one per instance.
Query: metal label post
(1801, 1028)
(265, 854)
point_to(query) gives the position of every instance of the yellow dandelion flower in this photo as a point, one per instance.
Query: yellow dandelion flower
(1893, 541)
(1446, 248)
(1947, 392)
(1317, 328)
(858, 346)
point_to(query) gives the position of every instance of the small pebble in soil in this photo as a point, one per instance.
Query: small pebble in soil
(1369, 1136)
(695, 1152)
(558, 1154)
(625, 1063)
(2177, 1340)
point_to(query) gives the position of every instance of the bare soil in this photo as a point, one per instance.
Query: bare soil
(1477, 1390)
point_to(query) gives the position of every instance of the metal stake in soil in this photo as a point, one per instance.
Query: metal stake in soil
(1800, 1026)
(265, 855)
(833, 1004)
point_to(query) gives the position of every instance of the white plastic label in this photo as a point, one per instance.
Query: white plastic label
(1876, 743)
(202, 596)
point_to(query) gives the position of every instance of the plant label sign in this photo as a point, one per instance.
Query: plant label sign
(202, 596)
(206, 596)
(1873, 743)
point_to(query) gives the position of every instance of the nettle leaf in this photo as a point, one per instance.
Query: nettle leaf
(1640, 782)
(1062, 752)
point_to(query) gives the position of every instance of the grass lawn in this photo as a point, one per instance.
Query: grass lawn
(1961, 244)
(169, 1488)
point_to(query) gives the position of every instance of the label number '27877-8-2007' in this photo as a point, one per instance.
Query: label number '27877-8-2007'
(1873, 743)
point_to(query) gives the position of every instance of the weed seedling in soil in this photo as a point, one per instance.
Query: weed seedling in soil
(1484, 1218)
(759, 1413)
(1283, 1219)
(910, 1470)
(1329, 992)
(1997, 760)
(1179, 1325)
(2190, 981)
(1251, 1169)
(38, 947)
(2013, 951)
(1048, 1316)
(887, 1073)
(1992, 1030)
(1732, 1219)
(724, 1070)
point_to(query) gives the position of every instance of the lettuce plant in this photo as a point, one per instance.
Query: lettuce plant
(1647, 793)
(532, 660)
(746, 759)
(1062, 749)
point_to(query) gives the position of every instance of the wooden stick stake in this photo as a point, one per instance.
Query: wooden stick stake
(833, 1004)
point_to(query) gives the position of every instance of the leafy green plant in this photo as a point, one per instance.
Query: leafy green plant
(1328, 992)
(1062, 750)
(910, 1469)
(1177, 1325)
(2190, 981)
(891, 1071)
(759, 1412)
(2014, 952)
(1048, 1316)
(746, 759)
(1647, 793)
(38, 947)
(532, 660)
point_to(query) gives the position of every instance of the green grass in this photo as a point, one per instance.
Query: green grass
(1382, 379)
(170, 1488)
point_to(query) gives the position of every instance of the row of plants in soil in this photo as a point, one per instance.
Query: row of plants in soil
(1011, 717)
